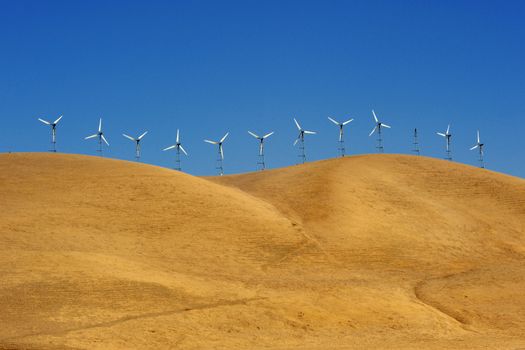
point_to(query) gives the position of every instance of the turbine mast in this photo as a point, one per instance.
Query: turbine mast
(177, 158)
(178, 148)
(220, 167)
(449, 151)
(99, 150)
(137, 150)
(53, 126)
(261, 163)
(416, 143)
(379, 146)
(378, 127)
(481, 160)
(54, 138)
(302, 152)
(341, 140)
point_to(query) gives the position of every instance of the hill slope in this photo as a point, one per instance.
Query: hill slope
(381, 251)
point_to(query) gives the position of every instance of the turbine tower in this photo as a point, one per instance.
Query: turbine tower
(480, 146)
(379, 125)
(100, 136)
(137, 143)
(178, 147)
(447, 135)
(261, 139)
(220, 155)
(53, 126)
(416, 143)
(300, 138)
(341, 134)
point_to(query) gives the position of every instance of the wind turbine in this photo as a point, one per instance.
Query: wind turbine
(480, 146)
(379, 125)
(261, 147)
(178, 147)
(220, 156)
(137, 143)
(300, 138)
(416, 143)
(53, 126)
(447, 135)
(341, 134)
(100, 136)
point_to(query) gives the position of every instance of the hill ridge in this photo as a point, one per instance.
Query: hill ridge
(357, 249)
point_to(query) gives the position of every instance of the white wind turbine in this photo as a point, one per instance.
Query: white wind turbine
(220, 156)
(53, 126)
(100, 136)
(178, 147)
(137, 143)
(341, 134)
(480, 146)
(447, 135)
(379, 125)
(261, 147)
(300, 138)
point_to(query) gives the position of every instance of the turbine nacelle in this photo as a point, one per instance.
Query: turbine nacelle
(447, 133)
(53, 130)
(177, 145)
(302, 132)
(99, 134)
(478, 144)
(261, 144)
(219, 143)
(137, 140)
(53, 124)
(378, 125)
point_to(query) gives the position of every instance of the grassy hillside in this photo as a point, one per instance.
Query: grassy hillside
(378, 251)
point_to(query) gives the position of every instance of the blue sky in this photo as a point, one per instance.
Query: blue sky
(208, 67)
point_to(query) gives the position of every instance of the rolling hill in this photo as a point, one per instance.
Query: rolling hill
(372, 251)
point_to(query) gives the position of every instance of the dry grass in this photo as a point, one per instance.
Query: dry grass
(383, 251)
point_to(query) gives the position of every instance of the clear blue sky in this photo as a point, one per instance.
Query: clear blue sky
(208, 67)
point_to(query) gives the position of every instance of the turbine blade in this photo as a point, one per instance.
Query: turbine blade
(333, 121)
(212, 142)
(100, 125)
(441, 134)
(129, 137)
(182, 149)
(44, 121)
(268, 135)
(478, 136)
(310, 132)
(348, 121)
(90, 137)
(177, 140)
(56, 121)
(296, 140)
(448, 129)
(373, 130)
(141, 136)
(170, 147)
(261, 149)
(254, 135)
(221, 151)
(224, 137)
(472, 148)
(103, 138)
(386, 126)
(297, 123)
(374, 113)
